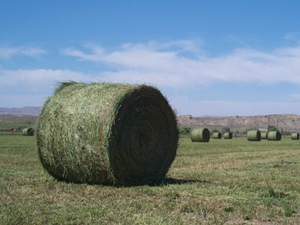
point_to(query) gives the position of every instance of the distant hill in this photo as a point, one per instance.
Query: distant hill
(289, 122)
(27, 111)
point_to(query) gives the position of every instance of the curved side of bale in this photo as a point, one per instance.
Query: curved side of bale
(200, 135)
(103, 133)
(274, 136)
(227, 135)
(295, 136)
(28, 131)
(217, 135)
(264, 135)
(253, 135)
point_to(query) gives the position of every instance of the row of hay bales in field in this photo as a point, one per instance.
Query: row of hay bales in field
(218, 135)
(257, 135)
(203, 135)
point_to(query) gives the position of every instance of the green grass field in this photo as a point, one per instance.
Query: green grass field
(220, 182)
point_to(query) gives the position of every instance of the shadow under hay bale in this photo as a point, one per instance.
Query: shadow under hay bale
(227, 135)
(274, 136)
(104, 133)
(217, 135)
(253, 135)
(200, 135)
(295, 136)
(28, 131)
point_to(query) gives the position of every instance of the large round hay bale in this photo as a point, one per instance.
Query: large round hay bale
(227, 135)
(264, 135)
(28, 131)
(253, 135)
(104, 133)
(200, 135)
(274, 136)
(217, 135)
(295, 136)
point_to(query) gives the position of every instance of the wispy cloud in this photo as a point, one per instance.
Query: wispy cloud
(178, 68)
(164, 64)
(295, 96)
(8, 52)
(291, 36)
(38, 80)
(32, 87)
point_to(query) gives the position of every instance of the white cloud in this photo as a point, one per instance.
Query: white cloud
(17, 100)
(291, 36)
(8, 52)
(294, 96)
(38, 80)
(167, 66)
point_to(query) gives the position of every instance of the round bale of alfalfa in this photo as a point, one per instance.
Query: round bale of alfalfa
(295, 136)
(107, 133)
(217, 135)
(200, 135)
(264, 135)
(227, 135)
(274, 136)
(28, 131)
(253, 135)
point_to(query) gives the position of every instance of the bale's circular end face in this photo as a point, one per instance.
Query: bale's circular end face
(107, 134)
(144, 138)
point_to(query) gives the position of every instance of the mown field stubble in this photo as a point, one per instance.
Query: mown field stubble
(221, 182)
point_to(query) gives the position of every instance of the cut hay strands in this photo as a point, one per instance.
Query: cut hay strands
(200, 135)
(227, 135)
(264, 135)
(217, 135)
(274, 136)
(253, 135)
(295, 136)
(106, 133)
(28, 131)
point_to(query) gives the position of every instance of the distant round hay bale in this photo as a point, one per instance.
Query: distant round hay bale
(227, 135)
(264, 135)
(28, 131)
(217, 135)
(274, 136)
(105, 133)
(295, 136)
(200, 135)
(253, 135)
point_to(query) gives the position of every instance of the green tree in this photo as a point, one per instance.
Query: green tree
(225, 129)
(272, 128)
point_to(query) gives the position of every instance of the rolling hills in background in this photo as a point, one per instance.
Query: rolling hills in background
(287, 122)
(290, 122)
(28, 111)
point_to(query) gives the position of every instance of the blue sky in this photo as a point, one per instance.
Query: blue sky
(221, 58)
